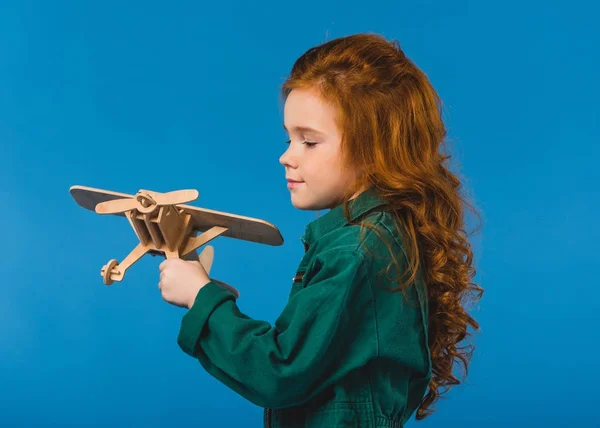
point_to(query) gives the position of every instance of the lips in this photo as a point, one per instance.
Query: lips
(293, 184)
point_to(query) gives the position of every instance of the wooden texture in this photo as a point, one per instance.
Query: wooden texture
(238, 227)
(165, 227)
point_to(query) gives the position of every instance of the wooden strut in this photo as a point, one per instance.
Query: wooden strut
(165, 230)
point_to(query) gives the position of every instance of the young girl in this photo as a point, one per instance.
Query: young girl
(375, 318)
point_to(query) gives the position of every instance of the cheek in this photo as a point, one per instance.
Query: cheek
(322, 166)
(325, 162)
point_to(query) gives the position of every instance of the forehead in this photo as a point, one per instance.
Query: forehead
(305, 111)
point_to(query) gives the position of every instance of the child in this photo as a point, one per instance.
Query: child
(375, 317)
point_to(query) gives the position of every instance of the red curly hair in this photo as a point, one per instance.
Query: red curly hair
(392, 131)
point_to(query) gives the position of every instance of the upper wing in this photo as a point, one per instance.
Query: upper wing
(239, 227)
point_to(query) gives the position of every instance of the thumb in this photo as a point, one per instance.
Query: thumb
(206, 258)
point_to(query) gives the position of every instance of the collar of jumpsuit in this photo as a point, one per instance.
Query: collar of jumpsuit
(335, 218)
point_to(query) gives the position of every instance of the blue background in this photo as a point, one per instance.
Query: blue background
(131, 95)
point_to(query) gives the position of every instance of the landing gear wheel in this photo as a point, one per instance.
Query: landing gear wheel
(106, 271)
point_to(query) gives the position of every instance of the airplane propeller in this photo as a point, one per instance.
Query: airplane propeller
(146, 201)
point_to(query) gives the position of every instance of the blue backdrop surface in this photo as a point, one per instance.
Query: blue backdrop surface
(131, 95)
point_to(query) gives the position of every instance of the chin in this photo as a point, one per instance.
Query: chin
(303, 206)
(309, 205)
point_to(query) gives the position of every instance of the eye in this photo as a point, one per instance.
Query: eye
(306, 143)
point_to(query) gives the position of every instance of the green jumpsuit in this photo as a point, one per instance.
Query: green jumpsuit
(344, 352)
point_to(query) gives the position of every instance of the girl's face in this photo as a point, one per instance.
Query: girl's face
(313, 159)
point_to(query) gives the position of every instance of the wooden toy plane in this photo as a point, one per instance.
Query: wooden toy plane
(166, 227)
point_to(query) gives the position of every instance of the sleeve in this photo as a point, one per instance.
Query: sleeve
(288, 363)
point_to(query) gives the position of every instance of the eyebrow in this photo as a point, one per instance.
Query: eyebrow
(305, 129)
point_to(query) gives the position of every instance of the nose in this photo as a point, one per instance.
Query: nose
(287, 160)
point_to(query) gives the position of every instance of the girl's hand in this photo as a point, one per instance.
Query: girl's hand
(181, 280)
